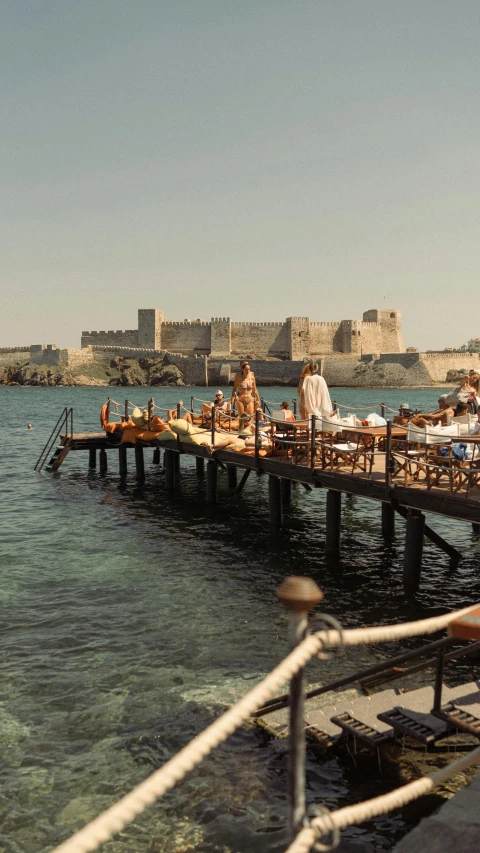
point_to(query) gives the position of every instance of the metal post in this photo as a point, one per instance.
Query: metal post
(412, 560)
(275, 501)
(258, 440)
(211, 482)
(103, 461)
(92, 458)
(382, 409)
(232, 476)
(437, 696)
(312, 442)
(200, 466)
(139, 461)
(388, 455)
(169, 462)
(179, 411)
(334, 405)
(150, 411)
(122, 460)
(177, 466)
(388, 521)
(156, 456)
(126, 410)
(294, 407)
(299, 595)
(192, 409)
(213, 416)
(334, 522)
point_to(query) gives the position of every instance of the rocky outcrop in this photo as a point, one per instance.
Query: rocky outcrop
(118, 372)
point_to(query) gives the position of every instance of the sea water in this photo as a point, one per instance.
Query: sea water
(131, 617)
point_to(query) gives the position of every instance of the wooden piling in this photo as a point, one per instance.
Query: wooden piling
(275, 501)
(122, 460)
(200, 466)
(103, 461)
(286, 486)
(388, 521)
(334, 522)
(211, 482)
(169, 462)
(156, 456)
(232, 476)
(92, 458)
(139, 462)
(177, 466)
(412, 560)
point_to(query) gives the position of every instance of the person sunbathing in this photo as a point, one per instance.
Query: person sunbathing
(185, 416)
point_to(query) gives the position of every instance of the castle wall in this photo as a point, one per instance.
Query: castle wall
(438, 364)
(149, 328)
(50, 354)
(325, 337)
(221, 336)
(186, 337)
(14, 354)
(121, 338)
(268, 339)
(390, 323)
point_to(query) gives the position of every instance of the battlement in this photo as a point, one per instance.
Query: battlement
(296, 337)
(15, 349)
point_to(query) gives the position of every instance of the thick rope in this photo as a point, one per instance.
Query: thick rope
(350, 815)
(166, 777)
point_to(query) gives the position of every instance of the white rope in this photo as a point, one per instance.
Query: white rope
(166, 777)
(328, 823)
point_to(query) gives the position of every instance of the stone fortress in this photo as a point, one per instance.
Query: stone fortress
(359, 353)
(297, 338)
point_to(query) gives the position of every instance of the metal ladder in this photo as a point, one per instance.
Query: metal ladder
(65, 423)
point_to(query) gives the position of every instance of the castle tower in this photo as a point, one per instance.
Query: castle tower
(298, 331)
(150, 328)
(220, 336)
(390, 322)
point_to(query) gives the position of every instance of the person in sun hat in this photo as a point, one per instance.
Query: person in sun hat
(219, 402)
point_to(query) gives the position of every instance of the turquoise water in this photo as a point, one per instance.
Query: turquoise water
(130, 619)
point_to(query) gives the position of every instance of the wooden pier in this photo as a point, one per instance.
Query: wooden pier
(375, 470)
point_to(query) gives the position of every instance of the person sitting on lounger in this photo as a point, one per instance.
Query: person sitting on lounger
(185, 416)
(430, 418)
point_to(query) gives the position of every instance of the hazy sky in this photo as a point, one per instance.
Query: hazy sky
(254, 159)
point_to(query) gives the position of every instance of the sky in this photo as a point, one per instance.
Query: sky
(256, 159)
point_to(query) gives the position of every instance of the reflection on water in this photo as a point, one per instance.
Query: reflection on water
(130, 619)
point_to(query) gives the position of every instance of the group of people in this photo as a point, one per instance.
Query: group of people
(312, 391)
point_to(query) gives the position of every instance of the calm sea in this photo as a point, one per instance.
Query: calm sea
(131, 618)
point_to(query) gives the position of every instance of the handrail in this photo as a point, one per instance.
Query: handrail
(65, 418)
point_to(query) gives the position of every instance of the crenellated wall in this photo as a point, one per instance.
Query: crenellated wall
(269, 339)
(121, 338)
(296, 338)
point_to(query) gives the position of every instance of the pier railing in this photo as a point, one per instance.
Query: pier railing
(322, 831)
(64, 426)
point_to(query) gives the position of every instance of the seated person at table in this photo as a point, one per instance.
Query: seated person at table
(289, 416)
(185, 416)
(430, 418)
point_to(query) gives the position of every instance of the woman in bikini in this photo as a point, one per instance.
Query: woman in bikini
(245, 391)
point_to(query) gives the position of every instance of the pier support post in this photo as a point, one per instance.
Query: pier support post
(286, 486)
(275, 501)
(475, 528)
(232, 476)
(412, 560)
(156, 456)
(122, 460)
(139, 461)
(334, 522)
(211, 482)
(169, 462)
(388, 521)
(200, 466)
(103, 461)
(299, 595)
(177, 466)
(92, 458)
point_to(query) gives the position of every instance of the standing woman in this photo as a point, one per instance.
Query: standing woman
(473, 401)
(314, 396)
(245, 390)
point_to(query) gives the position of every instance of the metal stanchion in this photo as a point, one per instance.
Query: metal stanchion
(299, 595)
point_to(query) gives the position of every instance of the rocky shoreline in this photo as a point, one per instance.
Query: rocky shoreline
(119, 371)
